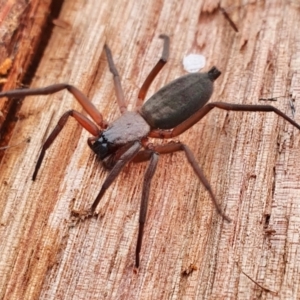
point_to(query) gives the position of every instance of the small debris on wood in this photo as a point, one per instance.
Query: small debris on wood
(189, 270)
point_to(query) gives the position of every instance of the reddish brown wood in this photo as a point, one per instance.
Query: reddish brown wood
(21, 24)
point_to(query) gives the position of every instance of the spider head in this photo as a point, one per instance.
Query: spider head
(102, 147)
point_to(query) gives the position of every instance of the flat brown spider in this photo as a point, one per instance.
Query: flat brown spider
(172, 110)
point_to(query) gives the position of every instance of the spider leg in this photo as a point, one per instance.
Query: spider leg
(87, 105)
(117, 81)
(157, 133)
(191, 159)
(142, 156)
(226, 16)
(144, 203)
(115, 171)
(173, 147)
(80, 118)
(162, 61)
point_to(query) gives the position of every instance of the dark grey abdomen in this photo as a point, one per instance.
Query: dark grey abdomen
(177, 101)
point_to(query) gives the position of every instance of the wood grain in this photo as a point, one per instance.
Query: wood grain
(250, 159)
(21, 25)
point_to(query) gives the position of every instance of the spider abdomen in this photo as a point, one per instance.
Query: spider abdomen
(178, 100)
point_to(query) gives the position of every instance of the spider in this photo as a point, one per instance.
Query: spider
(172, 110)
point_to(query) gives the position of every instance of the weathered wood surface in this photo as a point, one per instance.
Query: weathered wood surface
(251, 160)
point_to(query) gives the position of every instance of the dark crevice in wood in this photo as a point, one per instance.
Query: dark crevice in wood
(46, 31)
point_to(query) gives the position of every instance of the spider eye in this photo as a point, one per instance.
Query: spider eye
(101, 147)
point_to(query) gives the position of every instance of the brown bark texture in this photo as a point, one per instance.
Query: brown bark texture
(250, 158)
(21, 26)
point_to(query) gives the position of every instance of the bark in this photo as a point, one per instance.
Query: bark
(22, 27)
(250, 159)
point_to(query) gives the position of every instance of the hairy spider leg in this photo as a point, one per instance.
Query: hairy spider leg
(152, 155)
(87, 105)
(144, 203)
(127, 156)
(80, 118)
